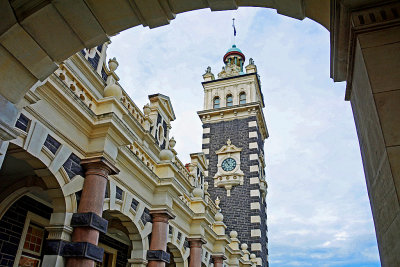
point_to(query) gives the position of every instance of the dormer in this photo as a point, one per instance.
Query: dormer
(161, 115)
(199, 167)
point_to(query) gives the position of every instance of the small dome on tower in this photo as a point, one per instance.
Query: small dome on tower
(234, 51)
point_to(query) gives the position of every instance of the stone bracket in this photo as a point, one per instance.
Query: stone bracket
(83, 250)
(91, 220)
(158, 255)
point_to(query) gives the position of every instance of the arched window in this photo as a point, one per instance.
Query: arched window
(229, 101)
(216, 102)
(242, 98)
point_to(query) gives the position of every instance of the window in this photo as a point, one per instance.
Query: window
(242, 98)
(109, 257)
(216, 102)
(229, 101)
(31, 244)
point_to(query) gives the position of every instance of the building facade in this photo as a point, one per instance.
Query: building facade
(36, 39)
(234, 131)
(93, 180)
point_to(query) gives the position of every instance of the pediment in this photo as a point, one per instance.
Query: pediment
(165, 104)
(228, 148)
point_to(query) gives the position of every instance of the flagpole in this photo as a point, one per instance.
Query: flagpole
(234, 31)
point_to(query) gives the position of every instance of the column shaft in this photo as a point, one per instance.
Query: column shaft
(195, 251)
(158, 244)
(218, 260)
(92, 200)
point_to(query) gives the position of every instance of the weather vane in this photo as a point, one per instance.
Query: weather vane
(234, 30)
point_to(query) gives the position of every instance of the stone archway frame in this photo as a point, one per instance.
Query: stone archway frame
(179, 258)
(176, 244)
(49, 176)
(131, 219)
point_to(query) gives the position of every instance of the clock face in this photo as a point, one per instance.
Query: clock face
(228, 164)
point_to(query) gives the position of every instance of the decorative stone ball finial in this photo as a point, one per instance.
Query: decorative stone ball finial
(197, 192)
(244, 246)
(113, 89)
(166, 154)
(233, 234)
(113, 64)
(219, 217)
(172, 143)
(229, 142)
(252, 256)
(146, 109)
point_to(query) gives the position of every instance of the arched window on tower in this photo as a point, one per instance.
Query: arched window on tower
(229, 100)
(242, 98)
(216, 102)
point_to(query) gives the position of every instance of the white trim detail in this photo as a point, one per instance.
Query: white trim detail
(254, 180)
(206, 151)
(256, 247)
(254, 168)
(255, 219)
(255, 233)
(206, 140)
(252, 123)
(255, 206)
(253, 134)
(253, 145)
(253, 156)
(255, 193)
(206, 130)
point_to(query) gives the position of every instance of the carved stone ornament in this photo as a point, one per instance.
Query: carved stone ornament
(229, 173)
(229, 70)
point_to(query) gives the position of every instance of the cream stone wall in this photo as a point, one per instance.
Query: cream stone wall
(73, 110)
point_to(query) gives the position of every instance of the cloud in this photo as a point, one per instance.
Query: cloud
(318, 209)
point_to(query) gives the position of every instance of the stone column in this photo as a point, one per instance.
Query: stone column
(218, 260)
(373, 88)
(87, 223)
(157, 254)
(195, 251)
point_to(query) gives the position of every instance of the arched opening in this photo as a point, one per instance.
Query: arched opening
(229, 100)
(242, 98)
(121, 242)
(26, 207)
(216, 102)
(176, 258)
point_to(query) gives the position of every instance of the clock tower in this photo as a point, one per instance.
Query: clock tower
(234, 131)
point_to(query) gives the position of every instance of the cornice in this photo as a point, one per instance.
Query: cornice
(346, 18)
(228, 113)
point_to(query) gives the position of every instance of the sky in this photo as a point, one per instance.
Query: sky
(318, 209)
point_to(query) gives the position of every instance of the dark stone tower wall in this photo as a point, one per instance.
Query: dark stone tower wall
(236, 208)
